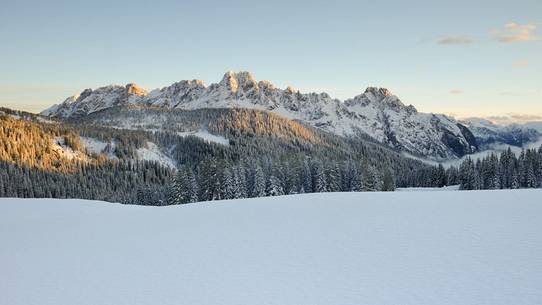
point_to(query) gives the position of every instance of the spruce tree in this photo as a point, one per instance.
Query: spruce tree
(258, 189)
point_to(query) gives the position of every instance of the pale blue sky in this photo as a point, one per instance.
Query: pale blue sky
(488, 60)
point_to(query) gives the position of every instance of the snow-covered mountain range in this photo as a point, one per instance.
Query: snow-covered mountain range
(488, 133)
(376, 112)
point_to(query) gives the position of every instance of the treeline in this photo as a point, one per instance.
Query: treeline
(266, 155)
(215, 179)
(504, 171)
(252, 134)
(114, 181)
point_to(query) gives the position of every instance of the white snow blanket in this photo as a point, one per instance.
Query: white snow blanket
(479, 247)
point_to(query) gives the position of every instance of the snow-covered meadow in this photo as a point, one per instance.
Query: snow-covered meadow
(479, 247)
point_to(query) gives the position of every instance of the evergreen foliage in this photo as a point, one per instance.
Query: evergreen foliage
(504, 171)
(266, 156)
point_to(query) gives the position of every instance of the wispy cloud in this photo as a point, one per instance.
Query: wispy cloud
(515, 32)
(456, 91)
(510, 93)
(511, 118)
(452, 40)
(520, 64)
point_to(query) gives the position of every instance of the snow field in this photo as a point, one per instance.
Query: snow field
(476, 247)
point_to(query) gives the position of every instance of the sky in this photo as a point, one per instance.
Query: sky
(464, 58)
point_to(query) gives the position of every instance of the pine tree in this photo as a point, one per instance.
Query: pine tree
(358, 180)
(388, 181)
(333, 177)
(515, 184)
(467, 175)
(211, 180)
(318, 177)
(306, 177)
(274, 187)
(229, 187)
(258, 189)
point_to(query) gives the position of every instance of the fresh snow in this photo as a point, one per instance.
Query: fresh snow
(64, 151)
(153, 153)
(409, 248)
(429, 189)
(93, 145)
(150, 152)
(206, 136)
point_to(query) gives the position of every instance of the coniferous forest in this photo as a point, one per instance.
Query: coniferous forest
(266, 156)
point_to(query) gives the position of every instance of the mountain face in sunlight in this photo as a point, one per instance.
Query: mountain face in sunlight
(376, 112)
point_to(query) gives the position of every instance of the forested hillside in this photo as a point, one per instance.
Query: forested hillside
(48, 160)
(265, 155)
(154, 156)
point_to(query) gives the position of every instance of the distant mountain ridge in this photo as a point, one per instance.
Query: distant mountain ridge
(376, 112)
(488, 133)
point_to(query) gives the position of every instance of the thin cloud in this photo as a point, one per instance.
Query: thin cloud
(510, 93)
(453, 40)
(514, 32)
(520, 64)
(511, 118)
(456, 91)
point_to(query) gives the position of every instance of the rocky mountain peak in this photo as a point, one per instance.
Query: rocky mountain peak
(132, 88)
(290, 90)
(265, 84)
(234, 81)
(382, 97)
(83, 95)
(378, 92)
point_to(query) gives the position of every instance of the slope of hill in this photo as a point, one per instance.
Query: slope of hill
(229, 153)
(375, 113)
(411, 248)
(50, 159)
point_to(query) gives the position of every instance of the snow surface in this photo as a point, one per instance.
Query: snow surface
(478, 247)
(62, 150)
(153, 153)
(94, 145)
(429, 189)
(206, 136)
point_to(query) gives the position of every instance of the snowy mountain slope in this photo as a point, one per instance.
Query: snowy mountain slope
(214, 125)
(206, 136)
(149, 152)
(376, 112)
(487, 133)
(411, 248)
(62, 150)
(90, 101)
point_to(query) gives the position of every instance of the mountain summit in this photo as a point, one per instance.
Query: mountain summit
(376, 112)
